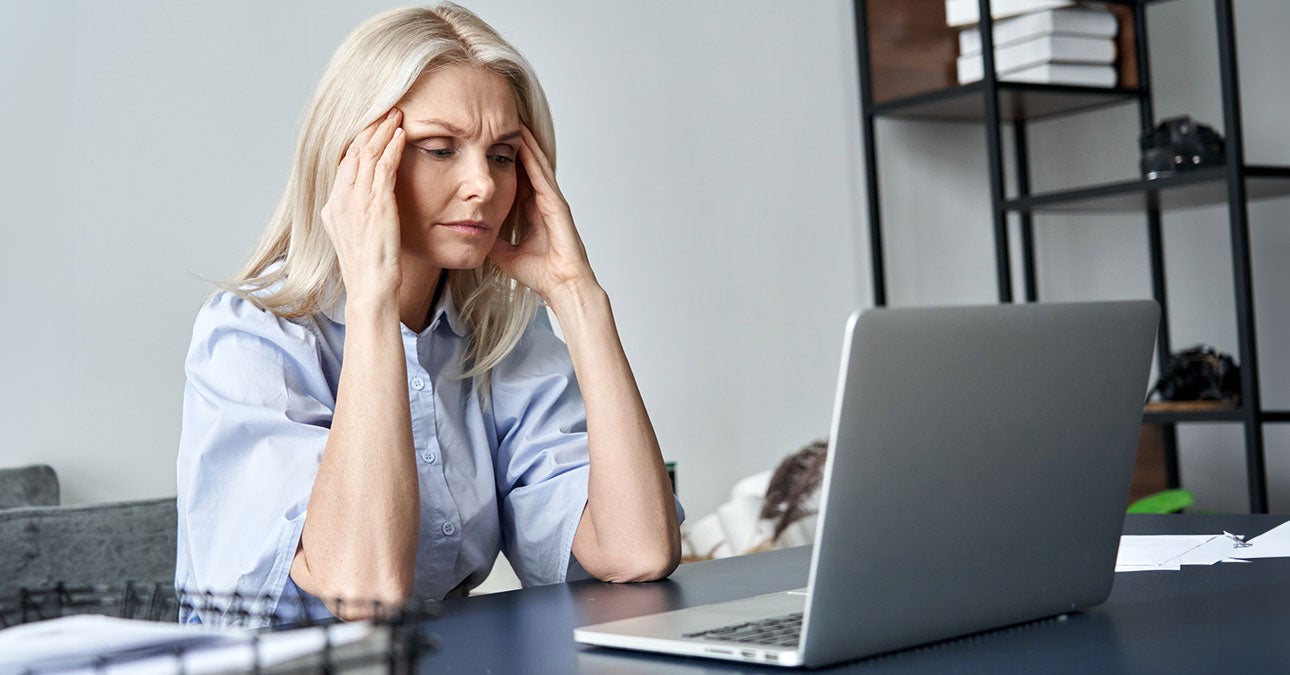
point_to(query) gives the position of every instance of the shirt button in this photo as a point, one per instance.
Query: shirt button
(449, 528)
(429, 456)
(418, 383)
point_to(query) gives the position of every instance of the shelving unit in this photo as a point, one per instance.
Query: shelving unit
(906, 55)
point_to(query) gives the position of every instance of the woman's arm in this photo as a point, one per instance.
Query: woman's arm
(360, 535)
(628, 530)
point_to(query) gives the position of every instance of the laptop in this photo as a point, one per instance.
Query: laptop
(977, 477)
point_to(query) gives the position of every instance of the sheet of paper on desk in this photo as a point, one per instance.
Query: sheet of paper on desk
(1274, 543)
(1157, 552)
(75, 643)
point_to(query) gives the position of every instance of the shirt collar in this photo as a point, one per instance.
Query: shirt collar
(445, 308)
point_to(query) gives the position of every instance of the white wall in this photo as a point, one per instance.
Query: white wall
(709, 151)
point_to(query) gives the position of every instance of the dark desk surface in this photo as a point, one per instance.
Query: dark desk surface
(1230, 617)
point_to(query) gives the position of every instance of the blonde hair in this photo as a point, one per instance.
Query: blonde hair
(371, 71)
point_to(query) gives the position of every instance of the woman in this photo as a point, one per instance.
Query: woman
(373, 406)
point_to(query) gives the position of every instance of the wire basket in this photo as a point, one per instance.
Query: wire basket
(392, 642)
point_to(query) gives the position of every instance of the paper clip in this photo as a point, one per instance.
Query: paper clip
(1238, 540)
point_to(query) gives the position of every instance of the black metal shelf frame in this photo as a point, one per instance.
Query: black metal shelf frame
(1018, 100)
(993, 103)
(1200, 187)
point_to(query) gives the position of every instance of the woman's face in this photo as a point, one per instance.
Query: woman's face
(457, 178)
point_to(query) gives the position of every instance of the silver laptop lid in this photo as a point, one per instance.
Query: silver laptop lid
(978, 472)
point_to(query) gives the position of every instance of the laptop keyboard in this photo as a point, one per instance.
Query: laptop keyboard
(777, 631)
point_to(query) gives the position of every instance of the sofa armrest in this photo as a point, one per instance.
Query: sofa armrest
(87, 544)
(35, 485)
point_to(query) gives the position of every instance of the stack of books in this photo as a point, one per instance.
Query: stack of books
(1040, 41)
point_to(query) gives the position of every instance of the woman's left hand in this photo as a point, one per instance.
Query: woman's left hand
(550, 258)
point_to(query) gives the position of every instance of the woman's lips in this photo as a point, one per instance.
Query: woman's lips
(468, 227)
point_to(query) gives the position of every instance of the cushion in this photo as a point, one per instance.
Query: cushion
(87, 544)
(35, 485)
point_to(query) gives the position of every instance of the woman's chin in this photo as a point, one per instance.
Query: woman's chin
(460, 260)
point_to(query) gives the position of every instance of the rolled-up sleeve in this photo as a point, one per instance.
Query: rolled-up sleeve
(542, 459)
(257, 411)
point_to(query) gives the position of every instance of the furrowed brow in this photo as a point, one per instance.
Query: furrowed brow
(445, 125)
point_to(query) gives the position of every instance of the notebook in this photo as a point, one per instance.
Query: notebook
(977, 477)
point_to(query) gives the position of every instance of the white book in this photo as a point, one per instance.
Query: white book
(964, 12)
(1064, 21)
(1079, 74)
(1043, 49)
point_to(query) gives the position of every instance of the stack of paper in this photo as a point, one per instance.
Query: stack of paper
(1144, 553)
(964, 12)
(100, 644)
(1063, 45)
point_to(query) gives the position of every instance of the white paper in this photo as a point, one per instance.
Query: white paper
(72, 638)
(1158, 552)
(1217, 549)
(1274, 543)
(1170, 566)
(73, 643)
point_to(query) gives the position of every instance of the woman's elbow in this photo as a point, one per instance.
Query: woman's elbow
(639, 568)
(353, 602)
(354, 594)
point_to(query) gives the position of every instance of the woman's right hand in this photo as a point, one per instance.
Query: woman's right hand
(361, 216)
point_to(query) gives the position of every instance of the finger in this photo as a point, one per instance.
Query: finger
(523, 186)
(504, 253)
(536, 164)
(387, 167)
(348, 167)
(370, 152)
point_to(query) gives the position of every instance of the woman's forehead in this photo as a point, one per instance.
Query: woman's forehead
(467, 97)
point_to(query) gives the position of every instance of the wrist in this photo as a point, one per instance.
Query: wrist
(577, 299)
(371, 307)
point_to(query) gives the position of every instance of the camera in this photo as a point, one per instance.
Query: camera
(1179, 144)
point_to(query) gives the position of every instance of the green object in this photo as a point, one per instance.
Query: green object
(1168, 501)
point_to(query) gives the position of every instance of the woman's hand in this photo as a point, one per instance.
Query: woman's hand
(361, 216)
(550, 259)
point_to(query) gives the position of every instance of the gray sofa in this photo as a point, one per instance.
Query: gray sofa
(42, 544)
(28, 486)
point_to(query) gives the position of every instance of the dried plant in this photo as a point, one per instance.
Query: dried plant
(794, 480)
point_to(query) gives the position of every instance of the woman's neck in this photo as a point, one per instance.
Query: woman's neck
(418, 291)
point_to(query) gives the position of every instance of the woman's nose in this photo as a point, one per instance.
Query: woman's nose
(477, 180)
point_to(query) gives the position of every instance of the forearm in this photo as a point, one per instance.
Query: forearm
(360, 534)
(629, 528)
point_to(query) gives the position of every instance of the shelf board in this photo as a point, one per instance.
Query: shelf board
(1191, 411)
(1201, 187)
(1204, 411)
(966, 103)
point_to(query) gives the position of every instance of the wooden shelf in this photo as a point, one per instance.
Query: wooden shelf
(1162, 412)
(913, 54)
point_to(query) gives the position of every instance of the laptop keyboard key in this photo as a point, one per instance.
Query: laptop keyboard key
(779, 631)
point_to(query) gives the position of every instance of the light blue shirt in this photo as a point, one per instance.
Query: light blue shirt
(258, 406)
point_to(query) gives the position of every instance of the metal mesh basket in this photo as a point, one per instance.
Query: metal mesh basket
(396, 639)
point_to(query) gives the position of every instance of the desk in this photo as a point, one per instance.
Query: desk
(1229, 617)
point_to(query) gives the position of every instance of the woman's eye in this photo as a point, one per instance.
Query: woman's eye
(441, 153)
(503, 160)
